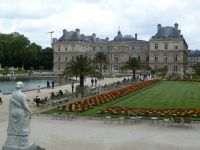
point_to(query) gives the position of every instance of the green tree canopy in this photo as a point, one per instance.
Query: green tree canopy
(16, 51)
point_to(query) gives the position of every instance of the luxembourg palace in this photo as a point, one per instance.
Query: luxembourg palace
(167, 48)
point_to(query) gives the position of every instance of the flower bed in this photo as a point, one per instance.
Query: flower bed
(88, 103)
(149, 112)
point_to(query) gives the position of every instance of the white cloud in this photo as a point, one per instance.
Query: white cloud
(35, 18)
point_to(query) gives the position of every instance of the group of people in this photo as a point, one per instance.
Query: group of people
(94, 81)
(48, 84)
(39, 101)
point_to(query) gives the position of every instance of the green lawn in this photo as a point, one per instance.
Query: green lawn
(166, 94)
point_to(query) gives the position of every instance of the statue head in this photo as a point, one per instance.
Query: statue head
(19, 85)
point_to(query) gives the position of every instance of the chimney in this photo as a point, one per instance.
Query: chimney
(78, 32)
(176, 26)
(94, 36)
(54, 40)
(179, 31)
(64, 32)
(159, 27)
(135, 36)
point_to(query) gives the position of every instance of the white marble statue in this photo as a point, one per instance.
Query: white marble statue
(19, 122)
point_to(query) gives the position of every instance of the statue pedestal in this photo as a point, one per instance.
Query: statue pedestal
(30, 147)
(14, 142)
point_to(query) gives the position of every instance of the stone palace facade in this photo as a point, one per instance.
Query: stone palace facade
(167, 48)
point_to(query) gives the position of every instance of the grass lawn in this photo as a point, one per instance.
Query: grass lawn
(166, 94)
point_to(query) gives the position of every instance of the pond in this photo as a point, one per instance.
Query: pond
(8, 85)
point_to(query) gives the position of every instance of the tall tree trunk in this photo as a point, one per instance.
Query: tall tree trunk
(82, 85)
(81, 80)
(134, 73)
(101, 67)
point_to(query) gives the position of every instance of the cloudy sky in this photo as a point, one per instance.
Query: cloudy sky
(35, 18)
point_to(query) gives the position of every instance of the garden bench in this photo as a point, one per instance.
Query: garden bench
(59, 101)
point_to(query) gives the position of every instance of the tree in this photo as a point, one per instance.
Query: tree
(46, 58)
(133, 64)
(197, 69)
(16, 51)
(81, 66)
(101, 59)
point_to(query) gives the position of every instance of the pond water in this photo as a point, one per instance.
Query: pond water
(8, 85)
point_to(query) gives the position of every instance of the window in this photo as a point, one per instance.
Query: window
(176, 46)
(147, 59)
(116, 58)
(58, 67)
(115, 67)
(166, 68)
(65, 58)
(156, 46)
(133, 48)
(166, 46)
(155, 67)
(59, 48)
(72, 57)
(58, 58)
(65, 48)
(175, 68)
(141, 47)
(93, 48)
(72, 48)
(156, 58)
(165, 58)
(175, 58)
(138, 58)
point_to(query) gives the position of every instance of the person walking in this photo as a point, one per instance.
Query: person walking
(48, 85)
(52, 83)
(38, 89)
(1, 95)
(92, 81)
(95, 81)
(72, 87)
